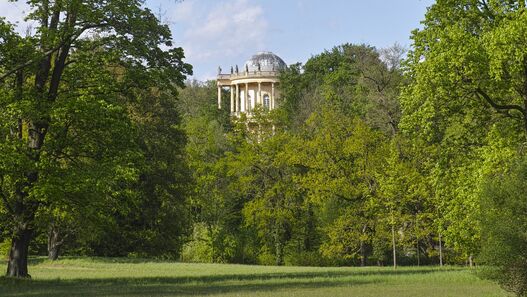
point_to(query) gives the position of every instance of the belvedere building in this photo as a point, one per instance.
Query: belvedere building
(253, 85)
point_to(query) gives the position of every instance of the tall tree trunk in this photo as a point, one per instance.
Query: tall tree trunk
(310, 229)
(212, 243)
(279, 246)
(54, 243)
(17, 262)
(393, 246)
(362, 254)
(440, 250)
(417, 241)
(363, 248)
(524, 93)
(279, 254)
(23, 215)
(418, 254)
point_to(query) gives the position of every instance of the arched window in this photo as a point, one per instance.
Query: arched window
(266, 102)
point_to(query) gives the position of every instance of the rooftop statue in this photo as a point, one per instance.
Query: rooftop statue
(256, 87)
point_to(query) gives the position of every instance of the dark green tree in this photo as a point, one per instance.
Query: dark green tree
(52, 106)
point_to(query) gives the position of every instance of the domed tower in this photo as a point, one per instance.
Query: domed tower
(254, 84)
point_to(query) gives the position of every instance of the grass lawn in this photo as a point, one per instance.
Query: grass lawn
(124, 277)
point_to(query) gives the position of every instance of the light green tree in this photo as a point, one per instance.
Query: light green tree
(468, 79)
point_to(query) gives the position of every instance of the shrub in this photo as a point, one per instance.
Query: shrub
(4, 248)
(199, 248)
(307, 259)
(504, 225)
(266, 258)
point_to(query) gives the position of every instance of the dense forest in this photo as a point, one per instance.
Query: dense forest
(374, 156)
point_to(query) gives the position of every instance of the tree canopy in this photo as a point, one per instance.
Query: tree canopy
(70, 138)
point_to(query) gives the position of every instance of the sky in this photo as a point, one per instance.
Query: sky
(228, 32)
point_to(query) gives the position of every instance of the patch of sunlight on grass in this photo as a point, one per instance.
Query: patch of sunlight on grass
(137, 277)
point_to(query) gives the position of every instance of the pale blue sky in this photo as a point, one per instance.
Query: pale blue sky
(228, 32)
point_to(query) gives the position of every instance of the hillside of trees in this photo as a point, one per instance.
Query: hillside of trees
(374, 156)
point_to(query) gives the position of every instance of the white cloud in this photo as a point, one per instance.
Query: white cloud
(226, 31)
(212, 32)
(15, 12)
(184, 11)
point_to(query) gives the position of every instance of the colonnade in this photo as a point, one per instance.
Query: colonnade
(236, 106)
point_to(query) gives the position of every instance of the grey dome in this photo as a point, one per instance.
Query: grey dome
(267, 61)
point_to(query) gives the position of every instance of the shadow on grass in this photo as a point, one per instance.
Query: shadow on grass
(193, 285)
(39, 260)
(152, 287)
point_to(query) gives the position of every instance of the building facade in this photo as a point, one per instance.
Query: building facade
(255, 84)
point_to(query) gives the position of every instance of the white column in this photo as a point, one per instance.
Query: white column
(232, 98)
(272, 95)
(244, 101)
(247, 103)
(260, 93)
(237, 98)
(219, 97)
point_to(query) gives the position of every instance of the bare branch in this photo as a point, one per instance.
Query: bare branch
(70, 38)
(28, 63)
(499, 107)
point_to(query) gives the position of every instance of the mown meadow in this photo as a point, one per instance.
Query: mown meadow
(136, 277)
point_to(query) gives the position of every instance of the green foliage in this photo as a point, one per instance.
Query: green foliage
(308, 258)
(466, 103)
(198, 248)
(214, 202)
(344, 147)
(274, 201)
(77, 125)
(503, 228)
(322, 177)
(4, 248)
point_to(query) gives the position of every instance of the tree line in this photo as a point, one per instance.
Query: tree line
(373, 157)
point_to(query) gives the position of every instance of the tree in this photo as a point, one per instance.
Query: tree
(213, 197)
(50, 84)
(469, 56)
(153, 219)
(341, 156)
(404, 204)
(468, 81)
(273, 201)
(343, 108)
(214, 201)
